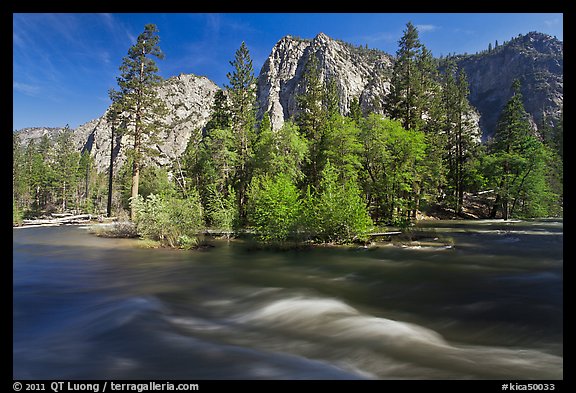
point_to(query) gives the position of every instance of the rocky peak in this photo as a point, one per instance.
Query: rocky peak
(359, 73)
(322, 38)
(189, 100)
(36, 133)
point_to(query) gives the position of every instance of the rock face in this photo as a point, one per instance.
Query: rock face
(535, 59)
(36, 133)
(361, 73)
(189, 100)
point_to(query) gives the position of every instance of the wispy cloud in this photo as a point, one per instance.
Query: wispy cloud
(380, 37)
(552, 22)
(426, 28)
(117, 29)
(464, 31)
(24, 88)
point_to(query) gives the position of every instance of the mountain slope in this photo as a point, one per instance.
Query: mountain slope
(535, 59)
(361, 73)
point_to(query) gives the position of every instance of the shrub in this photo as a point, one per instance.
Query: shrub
(173, 221)
(222, 210)
(337, 213)
(275, 207)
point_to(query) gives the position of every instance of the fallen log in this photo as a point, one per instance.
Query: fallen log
(385, 233)
(80, 218)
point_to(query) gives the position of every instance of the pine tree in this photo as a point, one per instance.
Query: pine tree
(67, 160)
(405, 90)
(355, 110)
(242, 94)
(509, 148)
(138, 101)
(462, 137)
(312, 117)
(220, 117)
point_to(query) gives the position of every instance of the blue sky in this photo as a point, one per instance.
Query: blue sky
(64, 64)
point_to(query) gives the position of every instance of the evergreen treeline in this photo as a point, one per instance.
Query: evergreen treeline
(323, 176)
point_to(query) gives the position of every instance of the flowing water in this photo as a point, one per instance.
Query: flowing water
(477, 300)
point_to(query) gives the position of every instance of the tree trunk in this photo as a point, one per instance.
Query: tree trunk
(134, 190)
(64, 198)
(135, 175)
(495, 207)
(110, 175)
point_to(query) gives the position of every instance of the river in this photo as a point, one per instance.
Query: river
(477, 300)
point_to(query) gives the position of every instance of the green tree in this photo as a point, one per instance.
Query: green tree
(336, 212)
(355, 110)
(462, 135)
(515, 157)
(156, 180)
(220, 116)
(216, 163)
(221, 209)
(275, 207)
(280, 151)
(406, 78)
(66, 165)
(343, 147)
(40, 175)
(312, 118)
(242, 94)
(19, 180)
(138, 101)
(392, 159)
(209, 159)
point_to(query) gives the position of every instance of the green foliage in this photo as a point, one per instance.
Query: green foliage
(342, 147)
(155, 180)
(336, 212)
(518, 166)
(462, 136)
(173, 221)
(137, 102)
(242, 95)
(221, 209)
(17, 214)
(355, 110)
(392, 159)
(406, 88)
(313, 104)
(280, 151)
(220, 117)
(215, 164)
(274, 207)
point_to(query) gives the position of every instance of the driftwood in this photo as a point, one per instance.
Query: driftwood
(77, 219)
(384, 233)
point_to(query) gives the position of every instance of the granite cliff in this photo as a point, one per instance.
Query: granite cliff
(536, 59)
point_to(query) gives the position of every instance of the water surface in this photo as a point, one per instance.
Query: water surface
(475, 300)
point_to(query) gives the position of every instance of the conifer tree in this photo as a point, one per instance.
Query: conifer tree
(509, 152)
(138, 101)
(404, 94)
(242, 95)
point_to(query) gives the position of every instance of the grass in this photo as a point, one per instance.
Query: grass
(119, 229)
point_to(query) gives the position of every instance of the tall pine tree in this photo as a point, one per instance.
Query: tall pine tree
(242, 95)
(510, 152)
(138, 100)
(406, 80)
